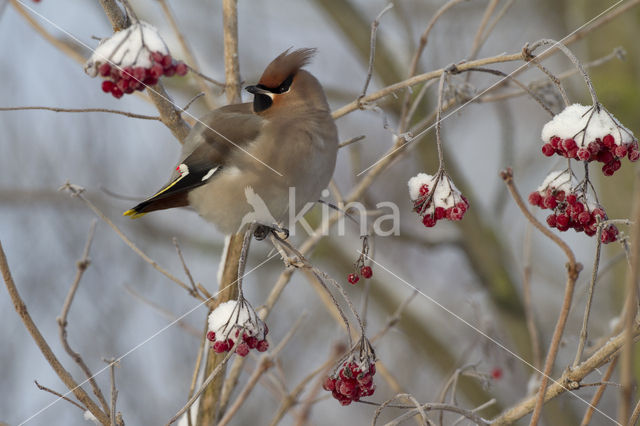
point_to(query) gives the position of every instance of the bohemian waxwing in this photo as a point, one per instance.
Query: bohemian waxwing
(240, 159)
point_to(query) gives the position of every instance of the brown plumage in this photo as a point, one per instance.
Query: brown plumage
(285, 65)
(285, 139)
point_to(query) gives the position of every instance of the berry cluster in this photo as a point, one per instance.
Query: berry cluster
(351, 382)
(132, 59)
(236, 324)
(129, 79)
(589, 133)
(435, 198)
(571, 207)
(365, 271)
(359, 267)
(248, 342)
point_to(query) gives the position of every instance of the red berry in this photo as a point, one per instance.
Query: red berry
(550, 202)
(252, 341)
(104, 69)
(496, 373)
(116, 92)
(633, 155)
(366, 272)
(170, 71)
(329, 384)
(439, 213)
(456, 213)
(548, 150)
(584, 154)
(127, 73)
(555, 142)
(424, 189)
(535, 198)
(620, 151)
(242, 349)
(608, 170)
(551, 220)
(181, 69)
(166, 61)
(219, 347)
(429, 221)
(572, 199)
(594, 147)
(605, 157)
(107, 86)
(140, 73)
(156, 71)
(584, 218)
(211, 336)
(262, 346)
(569, 144)
(608, 141)
(562, 220)
(156, 57)
(353, 278)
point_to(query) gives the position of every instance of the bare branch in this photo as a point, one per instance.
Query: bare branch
(44, 347)
(112, 111)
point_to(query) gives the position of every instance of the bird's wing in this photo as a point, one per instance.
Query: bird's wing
(210, 144)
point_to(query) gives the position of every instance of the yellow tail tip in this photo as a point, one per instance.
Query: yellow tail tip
(133, 214)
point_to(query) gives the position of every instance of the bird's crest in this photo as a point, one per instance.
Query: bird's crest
(284, 66)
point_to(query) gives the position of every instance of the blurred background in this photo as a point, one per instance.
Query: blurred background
(473, 268)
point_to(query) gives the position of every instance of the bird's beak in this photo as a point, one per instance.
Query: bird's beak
(257, 91)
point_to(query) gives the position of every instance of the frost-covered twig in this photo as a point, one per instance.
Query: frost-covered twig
(598, 395)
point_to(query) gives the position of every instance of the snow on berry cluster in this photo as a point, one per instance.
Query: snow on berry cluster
(354, 377)
(572, 207)
(236, 324)
(590, 133)
(435, 198)
(132, 59)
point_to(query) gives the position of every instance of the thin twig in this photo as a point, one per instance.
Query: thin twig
(534, 336)
(112, 111)
(567, 381)
(186, 49)
(231, 64)
(42, 344)
(114, 392)
(372, 48)
(196, 368)
(598, 395)
(350, 141)
(193, 399)
(266, 361)
(59, 395)
(64, 46)
(587, 309)
(573, 269)
(480, 36)
(77, 191)
(439, 407)
(629, 314)
(405, 396)
(81, 265)
(184, 266)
